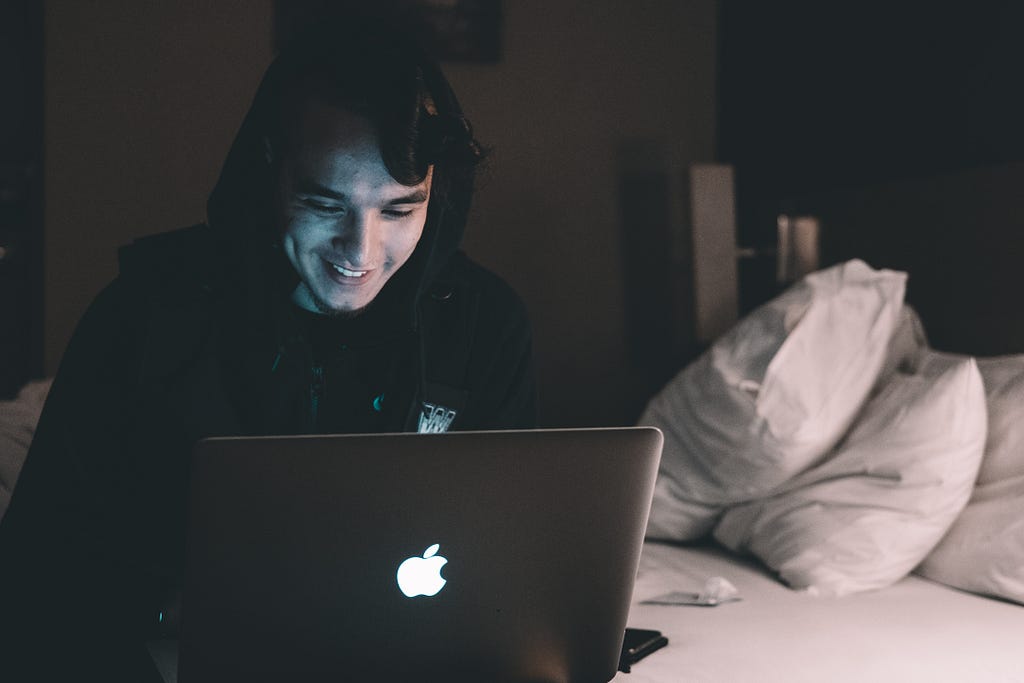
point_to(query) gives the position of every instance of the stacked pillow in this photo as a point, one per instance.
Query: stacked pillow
(873, 510)
(984, 550)
(824, 436)
(772, 397)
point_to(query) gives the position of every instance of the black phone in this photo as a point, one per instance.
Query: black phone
(639, 643)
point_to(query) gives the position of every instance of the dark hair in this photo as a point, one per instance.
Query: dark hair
(380, 71)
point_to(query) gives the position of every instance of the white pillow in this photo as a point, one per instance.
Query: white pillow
(1004, 392)
(984, 550)
(771, 396)
(873, 510)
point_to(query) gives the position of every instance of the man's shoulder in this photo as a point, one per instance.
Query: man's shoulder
(177, 260)
(169, 250)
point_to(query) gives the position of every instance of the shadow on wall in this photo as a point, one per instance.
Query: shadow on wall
(564, 215)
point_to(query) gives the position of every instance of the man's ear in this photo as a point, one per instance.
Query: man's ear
(268, 151)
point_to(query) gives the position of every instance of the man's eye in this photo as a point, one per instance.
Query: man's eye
(324, 208)
(396, 213)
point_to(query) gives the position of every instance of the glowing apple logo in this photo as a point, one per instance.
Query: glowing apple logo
(422, 575)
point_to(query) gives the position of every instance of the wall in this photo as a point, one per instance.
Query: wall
(817, 96)
(577, 81)
(21, 223)
(144, 98)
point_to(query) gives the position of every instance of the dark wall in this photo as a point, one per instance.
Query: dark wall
(142, 100)
(818, 96)
(960, 237)
(21, 302)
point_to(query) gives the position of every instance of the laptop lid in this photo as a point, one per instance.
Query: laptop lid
(462, 556)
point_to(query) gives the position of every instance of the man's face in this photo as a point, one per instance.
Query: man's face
(347, 225)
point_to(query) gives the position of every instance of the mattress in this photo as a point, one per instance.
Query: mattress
(915, 630)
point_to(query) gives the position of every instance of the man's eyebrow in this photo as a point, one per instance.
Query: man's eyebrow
(415, 197)
(307, 186)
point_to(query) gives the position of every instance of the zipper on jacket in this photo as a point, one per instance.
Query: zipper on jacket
(316, 390)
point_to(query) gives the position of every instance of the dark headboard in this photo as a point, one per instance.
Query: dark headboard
(960, 236)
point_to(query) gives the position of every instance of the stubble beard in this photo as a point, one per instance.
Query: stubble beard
(325, 308)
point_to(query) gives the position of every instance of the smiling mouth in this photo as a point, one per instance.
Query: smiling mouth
(348, 272)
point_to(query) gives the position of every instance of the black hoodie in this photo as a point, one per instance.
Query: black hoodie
(198, 337)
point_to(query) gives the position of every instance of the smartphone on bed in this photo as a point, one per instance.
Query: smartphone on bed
(639, 643)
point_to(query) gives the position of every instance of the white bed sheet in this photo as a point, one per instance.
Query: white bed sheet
(916, 630)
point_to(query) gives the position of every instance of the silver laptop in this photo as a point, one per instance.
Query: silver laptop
(483, 556)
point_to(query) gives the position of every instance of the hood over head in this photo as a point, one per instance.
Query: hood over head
(373, 69)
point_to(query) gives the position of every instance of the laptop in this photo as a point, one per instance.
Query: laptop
(482, 556)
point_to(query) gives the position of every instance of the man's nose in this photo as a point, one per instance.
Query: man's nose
(354, 238)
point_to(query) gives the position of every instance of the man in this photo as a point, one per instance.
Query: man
(325, 294)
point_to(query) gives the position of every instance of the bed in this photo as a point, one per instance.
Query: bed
(915, 630)
(845, 441)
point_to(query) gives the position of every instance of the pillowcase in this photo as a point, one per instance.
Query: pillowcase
(771, 396)
(1004, 391)
(984, 550)
(874, 509)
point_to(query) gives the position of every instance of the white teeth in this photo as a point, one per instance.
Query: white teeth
(348, 273)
